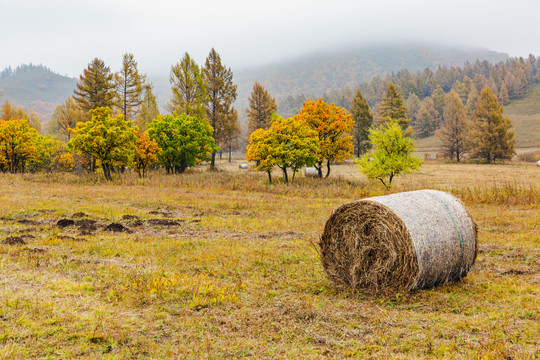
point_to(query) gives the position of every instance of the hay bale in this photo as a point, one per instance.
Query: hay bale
(243, 166)
(404, 241)
(538, 163)
(311, 172)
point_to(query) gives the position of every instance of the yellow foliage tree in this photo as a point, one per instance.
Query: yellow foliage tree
(146, 153)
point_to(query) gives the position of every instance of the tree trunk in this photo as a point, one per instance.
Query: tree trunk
(213, 162)
(319, 169)
(230, 153)
(327, 168)
(269, 176)
(285, 176)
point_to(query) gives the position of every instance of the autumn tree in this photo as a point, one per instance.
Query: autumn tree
(491, 136)
(392, 107)
(65, 117)
(332, 125)
(110, 140)
(188, 88)
(147, 153)
(18, 144)
(288, 144)
(454, 127)
(53, 156)
(231, 133)
(438, 97)
(427, 118)
(363, 119)
(129, 86)
(149, 108)
(95, 87)
(184, 141)
(221, 95)
(9, 112)
(261, 107)
(392, 154)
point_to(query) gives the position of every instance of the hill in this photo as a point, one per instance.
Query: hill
(325, 71)
(35, 87)
(524, 113)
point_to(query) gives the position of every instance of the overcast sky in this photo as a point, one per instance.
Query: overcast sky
(66, 35)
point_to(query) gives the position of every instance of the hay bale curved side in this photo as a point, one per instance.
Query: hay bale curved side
(402, 241)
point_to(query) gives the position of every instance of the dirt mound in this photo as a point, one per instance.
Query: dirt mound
(14, 240)
(79, 215)
(65, 223)
(163, 222)
(130, 217)
(162, 213)
(115, 227)
(85, 223)
(28, 222)
(27, 236)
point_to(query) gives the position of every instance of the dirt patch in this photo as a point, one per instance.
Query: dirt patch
(14, 240)
(79, 215)
(65, 223)
(115, 227)
(130, 217)
(162, 213)
(27, 236)
(28, 222)
(163, 222)
(36, 250)
(516, 272)
(85, 222)
(71, 238)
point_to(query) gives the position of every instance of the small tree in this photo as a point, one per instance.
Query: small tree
(259, 150)
(261, 107)
(491, 136)
(18, 145)
(392, 106)
(184, 140)
(146, 153)
(188, 88)
(363, 119)
(129, 87)
(109, 140)
(392, 155)
(454, 128)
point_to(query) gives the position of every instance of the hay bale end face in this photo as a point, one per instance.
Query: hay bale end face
(311, 172)
(399, 242)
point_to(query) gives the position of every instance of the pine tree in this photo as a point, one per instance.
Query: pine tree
(438, 104)
(221, 95)
(129, 87)
(491, 136)
(261, 107)
(363, 119)
(188, 88)
(454, 127)
(96, 87)
(427, 118)
(503, 95)
(392, 107)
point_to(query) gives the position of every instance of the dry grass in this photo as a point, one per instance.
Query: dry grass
(238, 277)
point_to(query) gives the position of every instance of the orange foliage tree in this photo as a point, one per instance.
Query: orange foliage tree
(333, 124)
(18, 145)
(146, 153)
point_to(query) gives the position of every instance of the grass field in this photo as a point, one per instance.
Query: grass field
(222, 266)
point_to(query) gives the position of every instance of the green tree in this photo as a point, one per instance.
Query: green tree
(188, 88)
(95, 87)
(491, 136)
(363, 119)
(129, 87)
(333, 125)
(184, 141)
(109, 140)
(261, 107)
(221, 96)
(392, 107)
(454, 127)
(149, 108)
(392, 154)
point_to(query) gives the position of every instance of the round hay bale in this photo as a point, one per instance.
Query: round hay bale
(538, 163)
(243, 166)
(311, 172)
(405, 241)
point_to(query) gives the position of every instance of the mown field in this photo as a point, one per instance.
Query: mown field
(223, 266)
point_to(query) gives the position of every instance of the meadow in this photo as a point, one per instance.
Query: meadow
(225, 266)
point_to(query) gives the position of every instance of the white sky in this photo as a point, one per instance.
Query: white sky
(66, 35)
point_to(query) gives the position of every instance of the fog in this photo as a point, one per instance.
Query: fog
(67, 35)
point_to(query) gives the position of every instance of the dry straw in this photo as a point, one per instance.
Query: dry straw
(403, 241)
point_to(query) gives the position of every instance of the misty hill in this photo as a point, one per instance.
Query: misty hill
(35, 87)
(346, 68)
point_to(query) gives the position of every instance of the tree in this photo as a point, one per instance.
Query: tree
(454, 127)
(184, 141)
(331, 123)
(221, 95)
(503, 95)
(288, 144)
(392, 107)
(149, 108)
(8, 112)
(109, 140)
(53, 156)
(231, 133)
(129, 87)
(438, 104)
(491, 136)
(427, 118)
(18, 145)
(363, 119)
(261, 107)
(65, 117)
(392, 155)
(188, 88)
(95, 87)
(146, 153)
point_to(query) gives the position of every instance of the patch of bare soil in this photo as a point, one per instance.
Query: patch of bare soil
(162, 213)
(27, 236)
(79, 215)
(163, 222)
(14, 240)
(65, 223)
(516, 272)
(29, 222)
(67, 237)
(130, 217)
(36, 250)
(116, 227)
